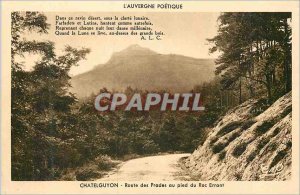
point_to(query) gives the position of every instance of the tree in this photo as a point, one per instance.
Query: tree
(41, 104)
(255, 47)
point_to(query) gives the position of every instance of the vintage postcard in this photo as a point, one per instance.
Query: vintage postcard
(149, 97)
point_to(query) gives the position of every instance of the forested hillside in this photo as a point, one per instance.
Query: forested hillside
(58, 136)
(153, 71)
(256, 54)
(253, 141)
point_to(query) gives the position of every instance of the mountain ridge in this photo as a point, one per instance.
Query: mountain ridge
(142, 68)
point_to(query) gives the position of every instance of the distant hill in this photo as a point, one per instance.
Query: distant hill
(143, 68)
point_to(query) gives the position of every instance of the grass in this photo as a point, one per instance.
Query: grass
(104, 163)
(239, 150)
(229, 127)
(264, 127)
(280, 155)
(213, 140)
(221, 145)
(287, 111)
(238, 176)
(90, 171)
(247, 124)
(276, 131)
(87, 174)
(234, 136)
(251, 156)
(259, 107)
(218, 147)
(262, 143)
(222, 155)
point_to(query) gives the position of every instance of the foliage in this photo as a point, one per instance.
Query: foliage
(247, 124)
(54, 132)
(264, 127)
(222, 155)
(219, 147)
(255, 53)
(239, 149)
(229, 127)
(42, 140)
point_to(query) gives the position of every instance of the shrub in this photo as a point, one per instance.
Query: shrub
(247, 124)
(238, 176)
(287, 111)
(276, 131)
(150, 147)
(85, 174)
(218, 147)
(264, 127)
(234, 136)
(213, 140)
(104, 162)
(229, 127)
(289, 144)
(280, 155)
(222, 155)
(251, 156)
(239, 150)
(262, 143)
(272, 146)
(259, 107)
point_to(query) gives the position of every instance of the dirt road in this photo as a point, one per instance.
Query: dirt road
(152, 168)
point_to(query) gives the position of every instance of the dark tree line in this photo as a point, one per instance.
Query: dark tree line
(255, 53)
(41, 115)
(53, 132)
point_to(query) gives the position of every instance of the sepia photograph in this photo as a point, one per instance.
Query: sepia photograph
(244, 133)
(155, 101)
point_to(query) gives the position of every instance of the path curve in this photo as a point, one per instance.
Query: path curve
(151, 168)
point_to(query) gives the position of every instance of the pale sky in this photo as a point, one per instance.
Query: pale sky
(185, 34)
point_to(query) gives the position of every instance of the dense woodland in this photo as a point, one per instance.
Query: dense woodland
(54, 133)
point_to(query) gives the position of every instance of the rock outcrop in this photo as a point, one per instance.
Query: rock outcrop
(249, 143)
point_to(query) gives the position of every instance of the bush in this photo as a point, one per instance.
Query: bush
(262, 143)
(287, 111)
(276, 131)
(234, 136)
(264, 127)
(239, 150)
(218, 147)
(247, 124)
(238, 176)
(251, 156)
(259, 107)
(213, 140)
(104, 162)
(289, 144)
(91, 170)
(89, 173)
(222, 155)
(150, 147)
(229, 127)
(272, 146)
(280, 155)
